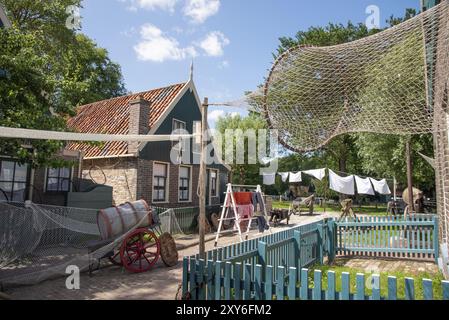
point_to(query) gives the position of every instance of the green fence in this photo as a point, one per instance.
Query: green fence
(272, 267)
(414, 237)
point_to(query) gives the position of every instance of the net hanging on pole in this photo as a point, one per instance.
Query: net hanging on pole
(378, 84)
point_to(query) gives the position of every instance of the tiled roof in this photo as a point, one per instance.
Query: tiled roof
(112, 117)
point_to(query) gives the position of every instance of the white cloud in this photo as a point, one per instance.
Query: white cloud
(214, 115)
(157, 47)
(214, 43)
(199, 10)
(168, 5)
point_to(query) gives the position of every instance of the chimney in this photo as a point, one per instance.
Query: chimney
(139, 116)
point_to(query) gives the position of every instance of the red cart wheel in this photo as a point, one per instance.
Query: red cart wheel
(140, 251)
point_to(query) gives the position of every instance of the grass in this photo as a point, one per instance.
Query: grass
(418, 276)
(380, 210)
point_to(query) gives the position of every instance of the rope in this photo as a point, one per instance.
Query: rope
(6, 132)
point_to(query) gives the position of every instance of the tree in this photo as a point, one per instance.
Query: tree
(242, 173)
(51, 70)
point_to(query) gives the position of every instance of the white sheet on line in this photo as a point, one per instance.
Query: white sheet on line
(295, 177)
(381, 186)
(364, 186)
(316, 173)
(284, 176)
(344, 185)
(269, 179)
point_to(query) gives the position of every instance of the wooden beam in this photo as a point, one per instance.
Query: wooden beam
(202, 180)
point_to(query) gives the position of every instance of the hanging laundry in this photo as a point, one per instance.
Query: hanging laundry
(339, 184)
(269, 179)
(317, 173)
(381, 186)
(245, 212)
(364, 186)
(258, 203)
(242, 198)
(284, 176)
(295, 177)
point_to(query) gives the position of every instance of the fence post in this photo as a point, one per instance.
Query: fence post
(185, 275)
(297, 242)
(331, 239)
(262, 252)
(320, 242)
(436, 239)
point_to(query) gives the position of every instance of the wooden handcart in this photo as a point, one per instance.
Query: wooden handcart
(142, 246)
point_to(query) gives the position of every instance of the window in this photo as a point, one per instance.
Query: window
(58, 179)
(160, 175)
(13, 181)
(213, 183)
(184, 183)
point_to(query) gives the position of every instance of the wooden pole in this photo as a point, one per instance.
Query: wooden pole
(202, 180)
(409, 175)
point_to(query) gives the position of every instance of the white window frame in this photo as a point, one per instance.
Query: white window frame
(190, 184)
(217, 184)
(167, 184)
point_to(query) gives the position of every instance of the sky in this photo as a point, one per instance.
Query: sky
(229, 41)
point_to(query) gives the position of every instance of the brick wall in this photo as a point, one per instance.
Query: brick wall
(120, 173)
(132, 179)
(145, 185)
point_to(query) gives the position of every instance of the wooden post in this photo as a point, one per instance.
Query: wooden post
(202, 180)
(409, 176)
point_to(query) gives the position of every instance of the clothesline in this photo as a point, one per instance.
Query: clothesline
(344, 185)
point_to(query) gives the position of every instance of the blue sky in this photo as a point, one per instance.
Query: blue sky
(230, 41)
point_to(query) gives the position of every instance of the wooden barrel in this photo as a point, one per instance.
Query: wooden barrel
(116, 221)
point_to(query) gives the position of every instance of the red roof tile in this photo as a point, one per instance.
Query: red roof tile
(112, 117)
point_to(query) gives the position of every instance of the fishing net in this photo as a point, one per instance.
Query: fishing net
(376, 84)
(170, 223)
(39, 242)
(393, 82)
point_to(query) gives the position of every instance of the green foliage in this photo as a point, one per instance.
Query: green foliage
(242, 173)
(384, 155)
(50, 70)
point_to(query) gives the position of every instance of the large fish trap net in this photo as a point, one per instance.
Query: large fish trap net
(393, 82)
(378, 84)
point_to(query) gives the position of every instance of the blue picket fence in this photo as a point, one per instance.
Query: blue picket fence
(413, 237)
(216, 281)
(272, 266)
(295, 247)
